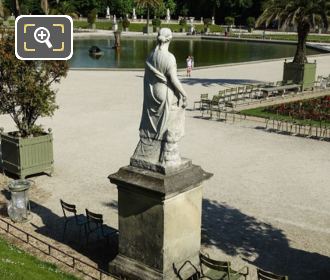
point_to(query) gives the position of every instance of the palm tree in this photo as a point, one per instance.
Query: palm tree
(304, 14)
(148, 4)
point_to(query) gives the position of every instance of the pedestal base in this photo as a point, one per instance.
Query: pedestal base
(159, 222)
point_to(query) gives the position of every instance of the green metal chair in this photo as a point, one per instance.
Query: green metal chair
(265, 275)
(220, 270)
(203, 102)
(216, 105)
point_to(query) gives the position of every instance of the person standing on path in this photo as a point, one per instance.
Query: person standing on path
(189, 66)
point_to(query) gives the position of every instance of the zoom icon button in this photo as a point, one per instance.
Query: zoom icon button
(43, 37)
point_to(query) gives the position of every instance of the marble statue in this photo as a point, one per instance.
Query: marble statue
(108, 13)
(134, 14)
(168, 15)
(163, 113)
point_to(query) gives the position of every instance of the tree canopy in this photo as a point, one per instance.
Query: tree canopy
(239, 9)
(304, 14)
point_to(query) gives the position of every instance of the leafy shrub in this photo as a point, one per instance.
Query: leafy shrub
(91, 18)
(250, 22)
(26, 91)
(207, 22)
(156, 22)
(183, 22)
(229, 21)
(125, 23)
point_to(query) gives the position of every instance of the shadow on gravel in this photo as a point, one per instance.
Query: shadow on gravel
(97, 250)
(259, 243)
(208, 82)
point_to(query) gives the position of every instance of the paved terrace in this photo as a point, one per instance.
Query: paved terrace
(267, 204)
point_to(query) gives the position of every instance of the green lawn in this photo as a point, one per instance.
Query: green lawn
(15, 264)
(261, 113)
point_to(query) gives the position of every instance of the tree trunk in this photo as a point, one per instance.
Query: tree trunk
(303, 31)
(148, 15)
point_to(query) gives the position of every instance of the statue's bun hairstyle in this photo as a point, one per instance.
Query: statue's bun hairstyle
(164, 35)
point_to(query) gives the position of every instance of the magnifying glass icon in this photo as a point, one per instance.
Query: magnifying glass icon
(41, 35)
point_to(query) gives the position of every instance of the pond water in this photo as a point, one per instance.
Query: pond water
(134, 51)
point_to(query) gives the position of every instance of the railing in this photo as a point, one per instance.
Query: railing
(57, 254)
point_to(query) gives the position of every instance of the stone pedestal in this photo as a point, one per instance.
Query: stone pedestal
(159, 221)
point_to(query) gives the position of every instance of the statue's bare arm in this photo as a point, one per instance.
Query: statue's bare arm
(178, 86)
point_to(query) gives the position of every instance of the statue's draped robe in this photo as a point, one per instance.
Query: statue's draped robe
(158, 95)
(162, 122)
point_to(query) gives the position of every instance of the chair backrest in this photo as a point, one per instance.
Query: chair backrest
(265, 275)
(216, 99)
(231, 90)
(204, 96)
(66, 207)
(94, 218)
(249, 88)
(222, 92)
(240, 89)
(214, 264)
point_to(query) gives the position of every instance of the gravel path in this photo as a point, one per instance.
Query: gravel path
(267, 204)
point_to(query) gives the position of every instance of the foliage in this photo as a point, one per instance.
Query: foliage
(65, 8)
(126, 23)
(16, 264)
(305, 14)
(183, 22)
(148, 4)
(171, 5)
(251, 22)
(229, 21)
(25, 86)
(91, 18)
(207, 22)
(122, 7)
(156, 22)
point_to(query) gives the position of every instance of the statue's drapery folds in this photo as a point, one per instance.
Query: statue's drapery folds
(162, 122)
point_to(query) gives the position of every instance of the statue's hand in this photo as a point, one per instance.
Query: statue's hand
(184, 102)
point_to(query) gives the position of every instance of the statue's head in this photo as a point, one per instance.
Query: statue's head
(164, 36)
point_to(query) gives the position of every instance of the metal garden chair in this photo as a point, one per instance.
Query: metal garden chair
(95, 226)
(203, 102)
(70, 216)
(220, 270)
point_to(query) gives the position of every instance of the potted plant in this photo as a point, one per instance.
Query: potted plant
(305, 15)
(183, 25)
(26, 94)
(125, 24)
(91, 18)
(207, 22)
(156, 24)
(250, 22)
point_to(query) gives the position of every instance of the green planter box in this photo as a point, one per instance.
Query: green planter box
(303, 74)
(27, 156)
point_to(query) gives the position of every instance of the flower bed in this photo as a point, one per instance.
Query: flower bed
(317, 109)
(311, 111)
